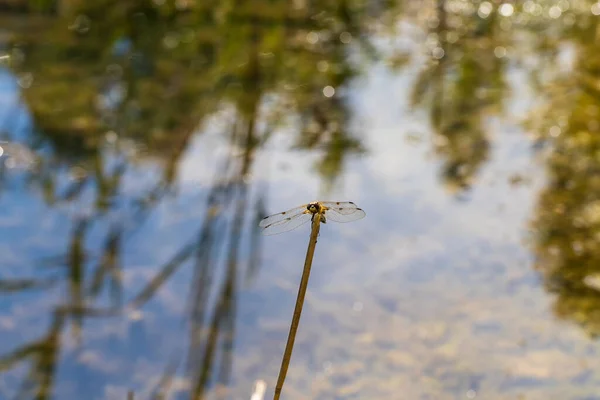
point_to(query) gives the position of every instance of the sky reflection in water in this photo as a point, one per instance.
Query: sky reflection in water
(444, 290)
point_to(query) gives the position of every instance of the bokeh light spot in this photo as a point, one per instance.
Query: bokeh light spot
(506, 9)
(328, 91)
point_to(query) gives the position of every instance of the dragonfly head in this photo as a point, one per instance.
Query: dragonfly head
(314, 207)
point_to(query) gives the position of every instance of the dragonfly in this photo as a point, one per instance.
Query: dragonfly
(338, 211)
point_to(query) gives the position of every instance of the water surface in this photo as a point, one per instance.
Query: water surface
(143, 141)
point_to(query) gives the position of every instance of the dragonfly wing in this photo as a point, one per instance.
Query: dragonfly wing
(282, 216)
(342, 214)
(287, 224)
(342, 207)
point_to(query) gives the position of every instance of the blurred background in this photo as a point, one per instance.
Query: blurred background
(142, 140)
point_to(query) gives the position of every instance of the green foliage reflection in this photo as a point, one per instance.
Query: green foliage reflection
(567, 220)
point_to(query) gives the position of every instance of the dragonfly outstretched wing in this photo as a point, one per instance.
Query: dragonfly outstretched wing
(287, 224)
(343, 211)
(342, 207)
(271, 219)
(285, 221)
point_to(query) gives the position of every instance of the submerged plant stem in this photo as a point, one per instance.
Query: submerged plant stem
(287, 355)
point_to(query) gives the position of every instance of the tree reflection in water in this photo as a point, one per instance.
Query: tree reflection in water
(114, 93)
(463, 85)
(567, 219)
(131, 83)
